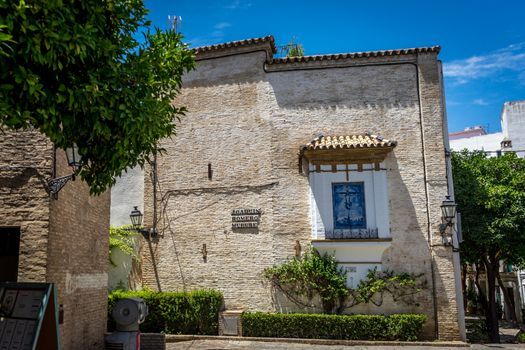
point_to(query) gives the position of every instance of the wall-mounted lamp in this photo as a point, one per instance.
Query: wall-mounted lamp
(448, 213)
(73, 160)
(204, 252)
(136, 220)
(297, 248)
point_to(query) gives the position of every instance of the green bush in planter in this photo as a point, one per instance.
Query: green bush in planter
(194, 312)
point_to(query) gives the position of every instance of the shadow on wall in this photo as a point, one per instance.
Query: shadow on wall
(376, 87)
(20, 179)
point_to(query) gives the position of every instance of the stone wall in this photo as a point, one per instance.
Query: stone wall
(78, 260)
(248, 123)
(25, 165)
(63, 241)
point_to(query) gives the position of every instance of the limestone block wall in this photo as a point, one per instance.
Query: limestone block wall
(247, 121)
(78, 260)
(25, 165)
(63, 241)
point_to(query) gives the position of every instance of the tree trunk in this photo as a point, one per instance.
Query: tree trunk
(508, 301)
(482, 295)
(464, 268)
(492, 315)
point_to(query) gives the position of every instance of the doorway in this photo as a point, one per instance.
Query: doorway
(9, 251)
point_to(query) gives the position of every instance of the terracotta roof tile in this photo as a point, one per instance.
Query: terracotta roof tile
(349, 141)
(365, 54)
(329, 57)
(246, 42)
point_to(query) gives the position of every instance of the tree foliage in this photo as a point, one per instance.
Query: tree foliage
(318, 276)
(76, 71)
(490, 193)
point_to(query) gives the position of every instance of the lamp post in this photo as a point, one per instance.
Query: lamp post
(136, 220)
(73, 160)
(448, 213)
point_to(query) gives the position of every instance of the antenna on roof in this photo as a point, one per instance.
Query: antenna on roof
(175, 23)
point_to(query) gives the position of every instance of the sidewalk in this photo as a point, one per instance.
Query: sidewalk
(219, 344)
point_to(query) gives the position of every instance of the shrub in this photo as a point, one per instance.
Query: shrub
(322, 326)
(194, 312)
(521, 337)
(315, 275)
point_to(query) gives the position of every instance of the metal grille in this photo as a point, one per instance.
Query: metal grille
(114, 346)
(369, 233)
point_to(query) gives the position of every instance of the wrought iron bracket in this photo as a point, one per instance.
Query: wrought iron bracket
(147, 234)
(55, 185)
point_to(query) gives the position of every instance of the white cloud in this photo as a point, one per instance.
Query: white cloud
(510, 58)
(222, 25)
(214, 37)
(480, 102)
(236, 4)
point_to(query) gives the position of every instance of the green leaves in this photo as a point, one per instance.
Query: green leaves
(490, 192)
(405, 327)
(314, 275)
(123, 239)
(75, 71)
(195, 312)
(311, 275)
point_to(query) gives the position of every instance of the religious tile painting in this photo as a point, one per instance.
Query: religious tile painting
(349, 205)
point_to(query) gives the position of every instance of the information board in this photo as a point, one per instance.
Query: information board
(28, 316)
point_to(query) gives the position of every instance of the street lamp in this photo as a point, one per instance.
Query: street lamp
(73, 160)
(448, 213)
(136, 220)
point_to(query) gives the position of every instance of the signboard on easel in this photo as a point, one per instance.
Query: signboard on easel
(28, 316)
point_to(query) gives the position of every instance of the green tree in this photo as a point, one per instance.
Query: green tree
(490, 193)
(76, 71)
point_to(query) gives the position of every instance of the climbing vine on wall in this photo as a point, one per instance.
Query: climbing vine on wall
(123, 239)
(315, 277)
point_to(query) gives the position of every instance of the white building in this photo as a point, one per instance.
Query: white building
(511, 137)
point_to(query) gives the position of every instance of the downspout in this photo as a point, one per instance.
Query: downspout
(450, 191)
(427, 201)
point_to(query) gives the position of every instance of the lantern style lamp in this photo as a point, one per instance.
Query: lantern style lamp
(136, 220)
(448, 213)
(73, 160)
(448, 210)
(73, 157)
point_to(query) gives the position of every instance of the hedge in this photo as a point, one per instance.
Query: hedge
(194, 312)
(405, 327)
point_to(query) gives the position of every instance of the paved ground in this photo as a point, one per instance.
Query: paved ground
(240, 344)
(507, 333)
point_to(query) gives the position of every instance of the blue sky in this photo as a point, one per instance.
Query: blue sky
(482, 42)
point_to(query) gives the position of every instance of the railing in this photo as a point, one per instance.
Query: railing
(369, 233)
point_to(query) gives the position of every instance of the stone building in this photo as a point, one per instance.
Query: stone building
(343, 152)
(62, 240)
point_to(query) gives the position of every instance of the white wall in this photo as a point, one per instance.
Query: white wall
(125, 194)
(355, 257)
(489, 142)
(513, 124)
(376, 197)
